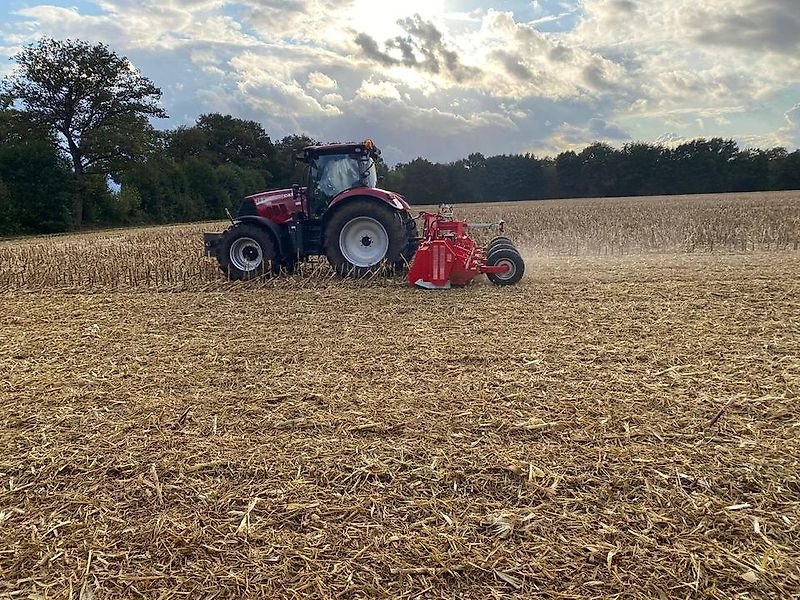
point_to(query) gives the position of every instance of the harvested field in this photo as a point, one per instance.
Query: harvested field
(169, 258)
(614, 426)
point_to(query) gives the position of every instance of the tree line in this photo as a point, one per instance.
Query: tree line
(637, 169)
(77, 149)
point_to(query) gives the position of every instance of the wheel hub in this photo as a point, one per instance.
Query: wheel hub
(246, 254)
(363, 242)
(508, 274)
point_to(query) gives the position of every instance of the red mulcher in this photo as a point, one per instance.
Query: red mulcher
(447, 256)
(342, 214)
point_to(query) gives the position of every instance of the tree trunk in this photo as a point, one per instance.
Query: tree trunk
(77, 200)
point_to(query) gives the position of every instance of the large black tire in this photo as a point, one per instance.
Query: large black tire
(247, 251)
(411, 247)
(510, 257)
(363, 236)
(500, 239)
(500, 246)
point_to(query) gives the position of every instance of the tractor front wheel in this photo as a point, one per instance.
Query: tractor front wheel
(362, 236)
(247, 251)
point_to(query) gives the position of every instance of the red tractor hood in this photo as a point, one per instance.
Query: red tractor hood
(277, 205)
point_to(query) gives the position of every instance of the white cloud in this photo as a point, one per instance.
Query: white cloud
(670, 139)
(320, 81)
(704, 51)
(789, 135)
(264, 87)
(527, 62)
(445, 83)
(569, 136)
(334, 99)
(371, 89)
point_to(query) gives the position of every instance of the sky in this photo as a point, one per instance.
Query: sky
(444, 78)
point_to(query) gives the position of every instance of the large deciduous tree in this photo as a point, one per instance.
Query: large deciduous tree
(96, 101)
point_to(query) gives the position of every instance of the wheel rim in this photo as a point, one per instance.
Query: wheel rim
(512, 269)
(246, 254)
(363, 242)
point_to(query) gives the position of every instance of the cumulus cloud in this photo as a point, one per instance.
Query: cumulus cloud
(529, 62)
(307, 20)
(671, 139)
(275, 92)
(320, 81)
(708, 50)
(422, 47)
(443, 84)
(378, 90)
(789, 135)
(146, 24)
(513, 64)
(603, 130)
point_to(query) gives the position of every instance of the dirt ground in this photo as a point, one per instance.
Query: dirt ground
(611, 427)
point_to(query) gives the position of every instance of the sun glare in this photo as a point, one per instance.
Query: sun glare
(379, 19)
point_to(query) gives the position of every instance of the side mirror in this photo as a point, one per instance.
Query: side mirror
(295, 191)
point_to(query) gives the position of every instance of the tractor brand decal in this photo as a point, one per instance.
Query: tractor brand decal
(271, 197)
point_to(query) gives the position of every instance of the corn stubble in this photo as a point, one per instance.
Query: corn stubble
(613, 426)
(170, 258)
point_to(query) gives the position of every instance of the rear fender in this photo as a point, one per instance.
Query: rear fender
(395, 201)
(282, 243)
(344, 199)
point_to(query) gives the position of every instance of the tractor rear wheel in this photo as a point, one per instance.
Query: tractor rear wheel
(510, 258)
(362, 236)
(246, 252)
(411, 246)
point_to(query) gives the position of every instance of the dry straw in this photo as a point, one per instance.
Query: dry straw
(612, 427)
(170, 258)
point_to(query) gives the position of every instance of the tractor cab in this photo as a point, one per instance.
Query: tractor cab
(335, 168)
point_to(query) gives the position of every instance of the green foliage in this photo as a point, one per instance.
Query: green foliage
(286, 169)
(8, 218)
(37, 184)
(788, 172)
(98, 200)
(201, 171)
(127, 207)
(599, 170)
(189, 190)
(38, 189)
(222, 139)
(422, 181)
(95, 100)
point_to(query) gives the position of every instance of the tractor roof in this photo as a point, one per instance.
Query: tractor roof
(367, 147)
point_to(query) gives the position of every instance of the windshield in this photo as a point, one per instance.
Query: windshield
(332, 174)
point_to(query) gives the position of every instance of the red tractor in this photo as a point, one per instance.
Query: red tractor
(359, 227)
(340, 213)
